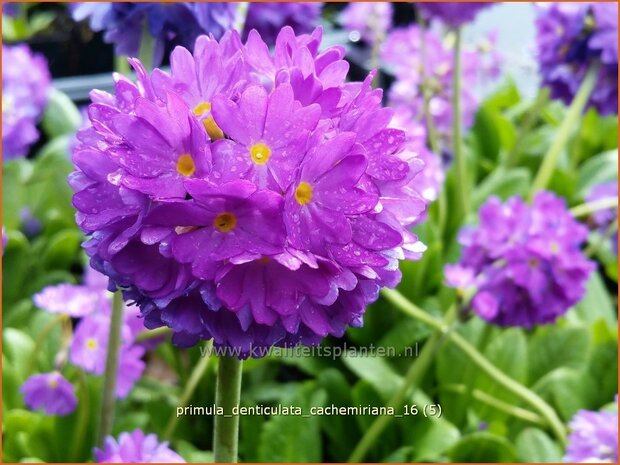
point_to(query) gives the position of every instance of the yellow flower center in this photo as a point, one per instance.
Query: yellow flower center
(260, 153)
(52, 383)
(185, 165)
(533, 263)
(225, 221)
(91, 344)
(303, 193)
(201, 108)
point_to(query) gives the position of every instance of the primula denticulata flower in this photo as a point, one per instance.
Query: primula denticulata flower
(249, 196)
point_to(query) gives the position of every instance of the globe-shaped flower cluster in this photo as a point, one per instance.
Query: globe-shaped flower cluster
(525, 262)
(249, 196)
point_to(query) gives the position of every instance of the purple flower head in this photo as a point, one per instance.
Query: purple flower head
(371, 20)
(49, 392)
(416, 71)
(25, 85)
(269, 18)
(453, 14)
(176, 23)
(90, 344)
(136, 447)
(593, 437)
(572, 37)
(250, 196)
(526, 261)
(603, 219)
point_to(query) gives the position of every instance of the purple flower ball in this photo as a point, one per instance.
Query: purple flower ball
(250, 196)
(136, 447)
(169, 23)
(526, 261)
(49, 392)
(268, 18)
(371, 20)
(453, 14)
(572, 37)
(25, 86)
(593, 437)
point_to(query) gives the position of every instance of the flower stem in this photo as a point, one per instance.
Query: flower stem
(459, 159)
(564, 132)
(111, 369)
(498, 404)
(188, 392)
(227, 395)
(147, 48)
(588, 208)
(412, 378)
(544, 409)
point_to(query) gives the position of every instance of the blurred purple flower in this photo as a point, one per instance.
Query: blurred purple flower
(453, 14)
(371, 20)
(593, 437)
(25, 85)
(571, 38)
(10, 8)
(49, 392)
(89, 350)
(603, 219)
(416, 71)
(260, 219)
(136, 447)
(269, 18)
(178, 23)
(527, 262)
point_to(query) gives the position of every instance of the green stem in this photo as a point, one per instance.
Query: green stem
(121, 65)
(152, 334)
(498, 404)
(111, 369)
(564, 132)
(478, 359)
(83, 417)
(227, 395)
(147, 48)
(188, 392)
(459, 159)
(586, 209)
(412, 379)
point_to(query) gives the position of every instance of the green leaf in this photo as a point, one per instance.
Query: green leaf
(61, 116)
(598, 169)
(294, 439)
(534, 446)
(595, 305)
(62, 249)
(191, 454)
(482, 447)
(18, 347)
(401, 455)
(567, 390)
(502, 183)
(377, 372)
(553, 347)
(431, 443)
